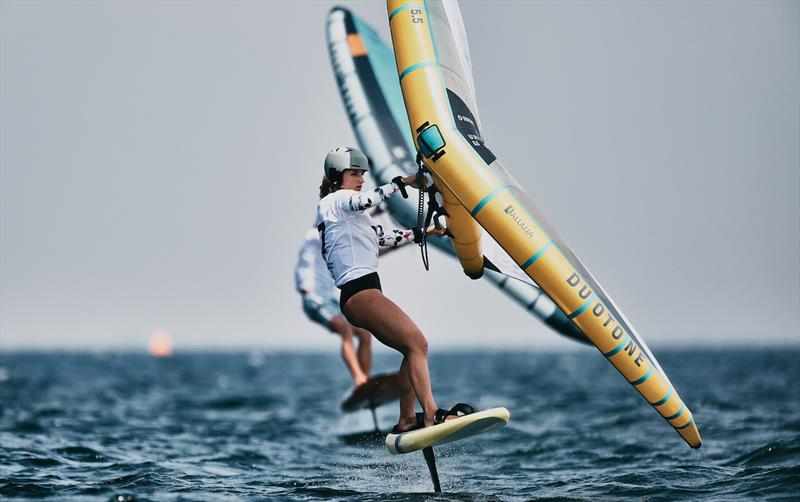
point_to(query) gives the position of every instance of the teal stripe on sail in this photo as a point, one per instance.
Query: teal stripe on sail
(402, 8)
(416, 67)
(645, 377)
(618, 347)
(680, 411)
(583, 307)
(486, 200)
(664, 399)
(537, 255)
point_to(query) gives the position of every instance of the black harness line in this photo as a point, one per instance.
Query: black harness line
(433, 213)
(423, 218)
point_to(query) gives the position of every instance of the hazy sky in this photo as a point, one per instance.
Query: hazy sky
(160, 164)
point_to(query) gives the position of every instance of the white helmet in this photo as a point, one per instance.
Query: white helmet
(342, 158)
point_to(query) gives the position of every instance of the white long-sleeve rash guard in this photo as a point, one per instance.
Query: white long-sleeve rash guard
(350, 238)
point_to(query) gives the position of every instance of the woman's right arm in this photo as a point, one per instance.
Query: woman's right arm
(351, 200)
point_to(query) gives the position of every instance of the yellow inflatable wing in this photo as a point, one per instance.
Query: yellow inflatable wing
(436, 79)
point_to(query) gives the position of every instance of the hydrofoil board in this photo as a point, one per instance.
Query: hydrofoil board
(452, 430)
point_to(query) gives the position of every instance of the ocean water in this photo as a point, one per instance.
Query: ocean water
(256, 426)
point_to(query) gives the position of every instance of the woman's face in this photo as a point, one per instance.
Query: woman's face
(353, 179)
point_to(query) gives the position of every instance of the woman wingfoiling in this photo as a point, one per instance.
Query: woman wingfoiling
(350, 241)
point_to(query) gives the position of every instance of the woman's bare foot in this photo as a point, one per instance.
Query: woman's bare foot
(360, 379)
(406, 424)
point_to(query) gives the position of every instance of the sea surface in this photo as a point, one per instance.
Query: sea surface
(266, 426)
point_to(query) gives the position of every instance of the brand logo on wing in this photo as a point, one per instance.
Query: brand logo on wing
(514, 216)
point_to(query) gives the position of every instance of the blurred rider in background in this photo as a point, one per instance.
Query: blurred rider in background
(321, 304)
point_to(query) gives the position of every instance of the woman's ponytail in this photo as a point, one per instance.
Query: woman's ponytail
(326, 187)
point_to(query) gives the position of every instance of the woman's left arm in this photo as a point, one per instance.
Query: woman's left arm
(397, 238)
(394, 238)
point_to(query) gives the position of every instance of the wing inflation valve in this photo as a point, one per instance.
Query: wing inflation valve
(430, 141)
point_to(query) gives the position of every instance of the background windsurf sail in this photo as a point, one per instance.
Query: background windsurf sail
(366, 75)
(435, 75)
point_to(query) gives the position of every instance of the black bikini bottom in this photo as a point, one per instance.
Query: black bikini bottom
(369, 281)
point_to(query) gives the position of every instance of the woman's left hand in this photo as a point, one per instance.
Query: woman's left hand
(411, 181)
(433, 230)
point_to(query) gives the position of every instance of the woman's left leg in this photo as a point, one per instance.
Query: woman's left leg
(370, 310)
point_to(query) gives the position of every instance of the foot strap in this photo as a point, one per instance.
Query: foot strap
(442, 414)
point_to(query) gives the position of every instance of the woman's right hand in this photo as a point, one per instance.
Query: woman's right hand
(412, 181)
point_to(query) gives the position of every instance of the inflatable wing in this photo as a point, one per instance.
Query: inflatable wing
(366, 74)
(435, 75)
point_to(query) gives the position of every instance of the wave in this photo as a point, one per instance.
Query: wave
(778, 453)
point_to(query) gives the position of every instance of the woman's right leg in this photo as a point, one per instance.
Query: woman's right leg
(370, 310)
